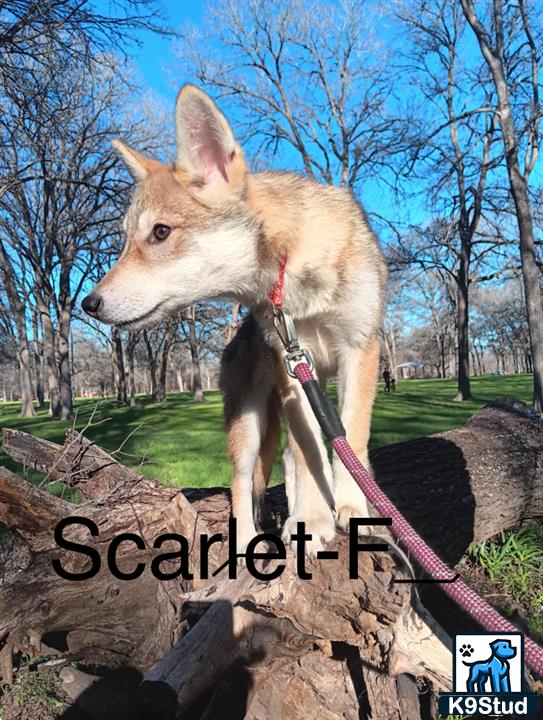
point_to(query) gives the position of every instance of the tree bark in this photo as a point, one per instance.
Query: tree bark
(442, 356)
(18, 311)
(66, 409)
(38, 360)
(130, 353)
(532, 280)
(120, 373)
(466, 230)
(25, 378)
(169, 335)
(326, 647)
(152, 366)
(462, 310)
(49, 353)
(388, 334)
(197, 390)
(233, 325)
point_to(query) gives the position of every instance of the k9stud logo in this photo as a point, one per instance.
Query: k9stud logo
(488, 663)
(488, 677)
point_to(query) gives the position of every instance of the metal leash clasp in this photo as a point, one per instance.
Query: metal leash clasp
(284, 324)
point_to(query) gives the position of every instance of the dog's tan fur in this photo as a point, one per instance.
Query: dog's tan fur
(229, 230)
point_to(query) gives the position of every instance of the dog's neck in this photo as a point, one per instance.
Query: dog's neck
(272, 242)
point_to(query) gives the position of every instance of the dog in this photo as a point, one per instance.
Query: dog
(496, 668)
(205, 227)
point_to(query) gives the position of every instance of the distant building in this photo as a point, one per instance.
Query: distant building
(411, 369)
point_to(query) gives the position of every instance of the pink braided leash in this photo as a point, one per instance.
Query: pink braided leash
(479, 609)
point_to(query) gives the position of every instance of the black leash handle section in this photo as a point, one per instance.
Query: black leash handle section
(324, 410)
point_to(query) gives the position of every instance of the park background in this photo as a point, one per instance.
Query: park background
(431, 119)
(394, 100)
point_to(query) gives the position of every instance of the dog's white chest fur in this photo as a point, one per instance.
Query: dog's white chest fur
(321, 341)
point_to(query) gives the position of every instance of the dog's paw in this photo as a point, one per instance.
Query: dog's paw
(241, 548)
(466, 650)
(321, 529)
(345, 513)
(349, 501)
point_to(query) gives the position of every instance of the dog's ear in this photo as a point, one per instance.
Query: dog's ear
(207, 153)
(137, 164)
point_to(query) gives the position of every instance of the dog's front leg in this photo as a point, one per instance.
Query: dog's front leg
(358, 374)
(244, 441)
(246, 428)
(311, 499)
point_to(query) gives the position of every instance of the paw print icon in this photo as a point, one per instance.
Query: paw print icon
(466, 650)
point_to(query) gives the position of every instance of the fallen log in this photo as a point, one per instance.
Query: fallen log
(486, 474)
(332, 644)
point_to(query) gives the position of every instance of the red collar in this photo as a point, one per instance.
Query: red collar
(275, 296)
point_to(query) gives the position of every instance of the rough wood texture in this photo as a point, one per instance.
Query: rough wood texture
(330, 647)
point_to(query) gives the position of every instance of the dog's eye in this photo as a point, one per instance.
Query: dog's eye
(161, 232)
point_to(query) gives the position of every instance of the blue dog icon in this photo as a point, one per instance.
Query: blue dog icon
(496, 668)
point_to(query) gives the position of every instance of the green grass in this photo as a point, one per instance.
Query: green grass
(184, 443)
(513, 561)
(39, 693)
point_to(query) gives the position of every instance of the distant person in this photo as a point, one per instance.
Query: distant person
(387, 378)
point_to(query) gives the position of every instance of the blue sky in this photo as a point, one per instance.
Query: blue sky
(154, 59)
(158, 68)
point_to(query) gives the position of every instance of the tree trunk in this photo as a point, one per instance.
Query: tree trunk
(532, 278)
(197, 390)
(66, 409)
(388, 336)
(161, 385)
(519, 190)
(462, 310)
(329, 647)
(169, 335)
(49, 353)
(18, 312)
(478, 358)
(233, 325)
(38, 360)
(118, 360)
(64, 358)
(25, 378)
(130, 353)
(443, 364)
(152, 367)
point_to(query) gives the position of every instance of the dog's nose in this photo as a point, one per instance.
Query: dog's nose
(91, 304)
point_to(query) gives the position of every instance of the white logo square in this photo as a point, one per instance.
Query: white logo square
(488, 663)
